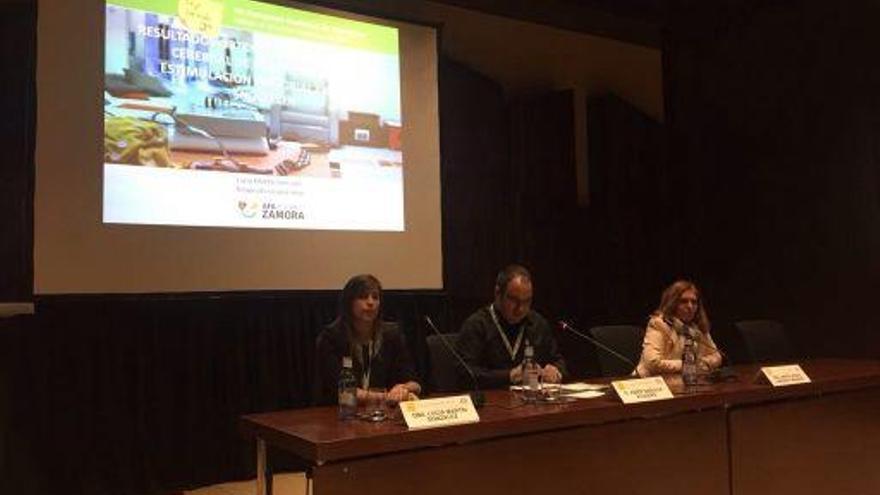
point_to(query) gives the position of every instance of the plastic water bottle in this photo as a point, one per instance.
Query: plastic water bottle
(347, 391)
(689, 362)
(531, 374)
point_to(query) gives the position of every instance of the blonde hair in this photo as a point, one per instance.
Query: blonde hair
(672, 296)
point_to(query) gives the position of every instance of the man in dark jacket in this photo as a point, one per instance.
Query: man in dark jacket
(492, 340)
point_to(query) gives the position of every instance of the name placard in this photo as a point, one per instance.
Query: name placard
(642, 389)
(434, 413)
(780, 376)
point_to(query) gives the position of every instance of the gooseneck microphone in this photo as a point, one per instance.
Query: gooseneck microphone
(476, 394)
(688, 330)
(568, 328)
(720, 374)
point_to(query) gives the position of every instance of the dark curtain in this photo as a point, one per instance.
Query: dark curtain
(633, 206)
(476, 178)
(113, 395)
(596, 264)
(773, 118)
(543, 194)
(17, 136)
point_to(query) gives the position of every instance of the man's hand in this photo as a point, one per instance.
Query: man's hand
(516, 375)
(551, 374)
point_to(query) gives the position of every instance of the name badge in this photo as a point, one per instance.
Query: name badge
(780, 376)
(642, 389)
(434, 413)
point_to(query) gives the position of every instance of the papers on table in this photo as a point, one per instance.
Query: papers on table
(586, 394)
(577, 390)
(583, 386)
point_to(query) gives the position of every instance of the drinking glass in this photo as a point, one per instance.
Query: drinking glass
(375, 404)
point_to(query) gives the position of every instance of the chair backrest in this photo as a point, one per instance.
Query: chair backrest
(624, 339)
(765, 340)
(443, 365)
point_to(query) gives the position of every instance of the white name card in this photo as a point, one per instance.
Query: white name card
(642, 389)
(780, 376)
(434, 413)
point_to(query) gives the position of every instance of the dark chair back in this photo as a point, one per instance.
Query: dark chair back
(443, 365)
(625, 340)
(765, 340)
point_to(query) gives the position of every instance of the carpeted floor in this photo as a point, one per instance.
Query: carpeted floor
(283, 484)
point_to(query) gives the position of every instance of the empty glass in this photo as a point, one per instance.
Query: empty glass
(375, 405)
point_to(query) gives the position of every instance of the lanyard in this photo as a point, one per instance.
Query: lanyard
(512, 350)
(367, 364)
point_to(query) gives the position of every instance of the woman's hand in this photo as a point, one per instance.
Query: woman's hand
(399, 393)
(707, 365)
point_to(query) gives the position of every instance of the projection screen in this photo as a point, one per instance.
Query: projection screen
(228, 145)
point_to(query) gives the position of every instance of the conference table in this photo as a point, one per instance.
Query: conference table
(737, 437)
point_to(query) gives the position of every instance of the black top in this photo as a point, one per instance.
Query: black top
(481, 346)
(389, 364)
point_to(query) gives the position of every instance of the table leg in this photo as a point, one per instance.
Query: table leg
(263, 486)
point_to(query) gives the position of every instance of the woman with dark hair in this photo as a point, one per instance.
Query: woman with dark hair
(380, 358)
(680, 313)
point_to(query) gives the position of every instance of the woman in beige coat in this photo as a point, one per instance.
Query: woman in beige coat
(680, 312)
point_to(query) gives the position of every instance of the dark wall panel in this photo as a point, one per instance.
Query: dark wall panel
(17, 136)
(773, 116)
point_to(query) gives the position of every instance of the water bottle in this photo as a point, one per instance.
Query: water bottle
(531, 374)
(347, 391)
(689, 362)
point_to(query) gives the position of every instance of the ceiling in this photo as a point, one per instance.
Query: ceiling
(633, 21)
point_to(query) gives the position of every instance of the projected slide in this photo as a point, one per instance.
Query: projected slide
(235, 113)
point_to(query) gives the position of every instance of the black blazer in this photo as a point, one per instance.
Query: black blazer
(482, 348)
(392, 363)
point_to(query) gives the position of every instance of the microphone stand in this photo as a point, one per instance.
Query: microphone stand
(476, 394)
(565, 326)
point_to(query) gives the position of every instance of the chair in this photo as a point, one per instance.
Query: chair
(307, 116)
(765, 340)
(443, 365)
(626, 340)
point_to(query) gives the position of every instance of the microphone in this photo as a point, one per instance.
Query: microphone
(720, 374)
(565, 326)
(477, 396)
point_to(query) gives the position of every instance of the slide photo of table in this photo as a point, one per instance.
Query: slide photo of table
(298, 111)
